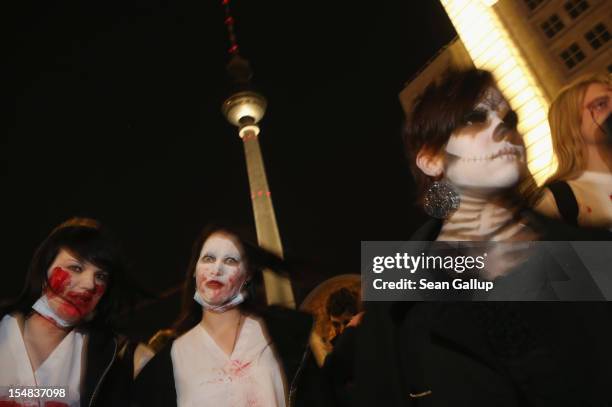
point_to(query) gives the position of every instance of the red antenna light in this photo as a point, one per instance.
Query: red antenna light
(229, 23)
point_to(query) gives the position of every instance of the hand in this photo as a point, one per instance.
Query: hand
(356, 320)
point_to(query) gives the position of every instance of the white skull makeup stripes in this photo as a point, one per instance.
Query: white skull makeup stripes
(487, 154)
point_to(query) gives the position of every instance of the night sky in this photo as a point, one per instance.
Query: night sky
(117, 116)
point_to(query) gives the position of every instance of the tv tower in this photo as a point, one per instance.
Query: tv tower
(244, 108)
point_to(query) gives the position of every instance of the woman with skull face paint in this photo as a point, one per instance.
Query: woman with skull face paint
(229, 350)
(470, 168)
(59, 331)
(580, 191)
(469, 160)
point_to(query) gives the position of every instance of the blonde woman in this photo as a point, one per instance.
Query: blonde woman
(580, 192)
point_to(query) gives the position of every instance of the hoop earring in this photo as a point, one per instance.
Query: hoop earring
(441, 200)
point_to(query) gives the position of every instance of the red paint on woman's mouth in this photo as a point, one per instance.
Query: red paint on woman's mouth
(83, 302)
(80, 299)
(73, 305)
(214, 284)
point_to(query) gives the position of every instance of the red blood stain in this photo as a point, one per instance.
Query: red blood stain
(253, 402)
(75, 305)
(59, 280)
(611, 197)
(80, 304)
(589, 210)
(238, 368)
(55, 404)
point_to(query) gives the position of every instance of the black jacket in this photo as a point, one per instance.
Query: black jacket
(109, 367)
(290, 333)
(486, 354)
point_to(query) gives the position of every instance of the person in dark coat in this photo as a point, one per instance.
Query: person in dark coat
(470, 166)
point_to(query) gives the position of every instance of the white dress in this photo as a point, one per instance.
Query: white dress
(593, 191)
(61, 369)
(205, 376)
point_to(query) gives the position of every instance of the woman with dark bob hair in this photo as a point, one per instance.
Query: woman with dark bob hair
(525, 346)
(229, 349)
(59, 330)
(468, 159)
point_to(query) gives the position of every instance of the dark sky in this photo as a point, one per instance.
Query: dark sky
(117, 116)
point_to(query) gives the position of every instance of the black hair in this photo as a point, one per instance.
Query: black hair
(88, 240)
(256, 260)
(342, 301)
(445, 106)
(442, 108)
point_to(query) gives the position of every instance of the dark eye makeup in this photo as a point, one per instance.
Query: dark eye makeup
(476, 116)
(511, 119)
(479, 116)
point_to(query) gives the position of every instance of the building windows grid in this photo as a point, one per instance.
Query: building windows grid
(533, 4)
(576, 7)
(572, 56)
(597, 36)
(552, 26)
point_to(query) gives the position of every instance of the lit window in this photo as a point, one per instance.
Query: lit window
(533, 4)
(576, 7)
(572, 56)
(552, 26)
(597, 36)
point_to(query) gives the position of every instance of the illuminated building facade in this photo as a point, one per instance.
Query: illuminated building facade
(561, 39)
(533, 48)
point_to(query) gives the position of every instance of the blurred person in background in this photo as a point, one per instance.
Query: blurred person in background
(580, 191)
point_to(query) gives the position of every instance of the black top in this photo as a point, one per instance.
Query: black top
(566, 201)
(486, 353)
(109, 370)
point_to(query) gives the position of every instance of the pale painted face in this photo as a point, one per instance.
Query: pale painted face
(74, 287)
(221, 270)
(487, 154)
(596, 107)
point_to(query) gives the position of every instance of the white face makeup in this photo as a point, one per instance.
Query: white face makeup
(487, 154)
(221, 270)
